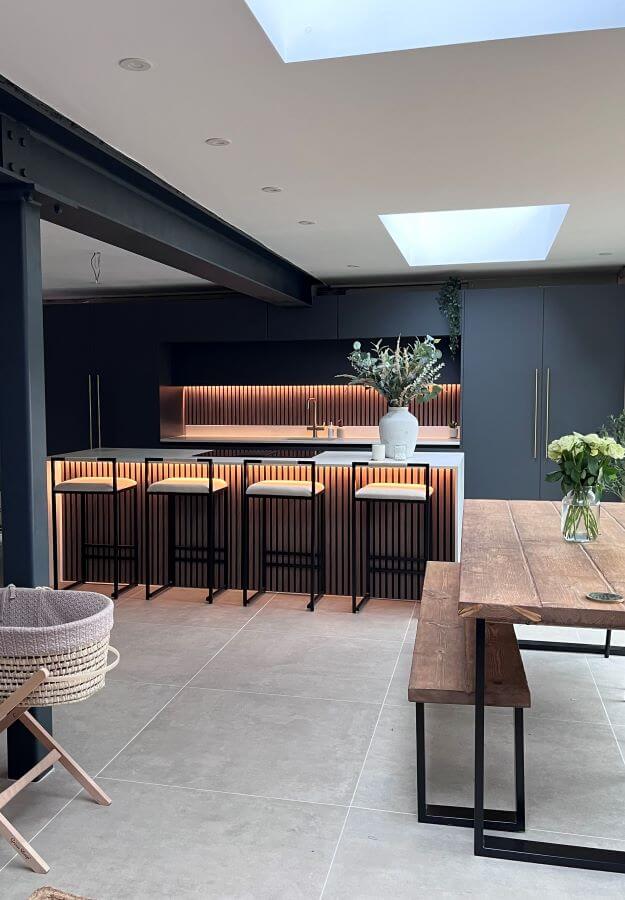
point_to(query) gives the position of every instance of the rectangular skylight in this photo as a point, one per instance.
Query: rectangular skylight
(465, 236)
(320, 29)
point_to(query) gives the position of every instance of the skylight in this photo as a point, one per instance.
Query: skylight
(320, 29)
(465, 236)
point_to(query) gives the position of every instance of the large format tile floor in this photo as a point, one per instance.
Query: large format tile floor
(269, 753)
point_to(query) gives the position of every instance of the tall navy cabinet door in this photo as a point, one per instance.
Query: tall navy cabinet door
(501, 353)
(583, 362)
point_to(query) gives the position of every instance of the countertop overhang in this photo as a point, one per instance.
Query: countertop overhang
(436, 458)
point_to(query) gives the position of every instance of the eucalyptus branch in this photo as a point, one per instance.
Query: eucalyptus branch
(399, 374)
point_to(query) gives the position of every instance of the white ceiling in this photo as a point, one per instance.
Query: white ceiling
(518, 122)
(66, 267)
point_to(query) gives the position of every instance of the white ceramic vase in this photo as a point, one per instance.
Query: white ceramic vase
(398, 432)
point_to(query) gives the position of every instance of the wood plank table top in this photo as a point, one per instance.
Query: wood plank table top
(516, 567)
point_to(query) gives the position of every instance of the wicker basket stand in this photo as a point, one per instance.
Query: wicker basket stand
(54, 648)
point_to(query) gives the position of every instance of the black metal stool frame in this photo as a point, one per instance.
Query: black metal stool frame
(313, 559)
(384, 560)
(87, 550)
(212, 555)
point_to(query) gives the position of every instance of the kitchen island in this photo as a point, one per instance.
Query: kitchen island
(333, 468)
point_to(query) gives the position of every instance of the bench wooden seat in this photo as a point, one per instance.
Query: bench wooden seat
(443, 664)
(443, 671)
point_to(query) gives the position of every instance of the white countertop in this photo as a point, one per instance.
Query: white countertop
(438, 459)
(297, 434)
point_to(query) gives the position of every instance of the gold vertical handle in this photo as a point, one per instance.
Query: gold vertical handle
(535, 413)
(90, 414)
(547, 391)
(97, 383)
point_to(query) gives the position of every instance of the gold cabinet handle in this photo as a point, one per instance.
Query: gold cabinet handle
(547, 391)
(535, 413)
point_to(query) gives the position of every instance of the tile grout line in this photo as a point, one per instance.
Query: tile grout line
(366, 756)
(187, 787)
(141, 730)
(219, 690)
(609, 720)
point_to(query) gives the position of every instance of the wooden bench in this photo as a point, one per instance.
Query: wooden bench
(443, 671)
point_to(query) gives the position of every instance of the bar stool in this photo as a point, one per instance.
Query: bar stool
(389, 492)
(86, 486)
(311, 493)
(182, 489)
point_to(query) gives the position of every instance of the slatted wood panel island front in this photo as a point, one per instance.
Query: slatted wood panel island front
(398, 527)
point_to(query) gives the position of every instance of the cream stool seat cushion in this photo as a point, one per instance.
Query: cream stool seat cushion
(284, 487)
(93, 484)
(388, 490)
(187, 486)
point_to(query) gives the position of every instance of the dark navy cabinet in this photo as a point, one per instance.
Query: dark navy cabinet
(537, 363)
(386, 312)
(583, 362)
(501, 415)
(315, 323)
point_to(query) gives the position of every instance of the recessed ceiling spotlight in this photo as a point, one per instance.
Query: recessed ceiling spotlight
(271, 189)
(306, 222)
(218, 142)
(605, 253)
(134, 64)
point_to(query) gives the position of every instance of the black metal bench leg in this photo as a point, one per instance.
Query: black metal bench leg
(519, 768)
(608, 641)
(463, 816)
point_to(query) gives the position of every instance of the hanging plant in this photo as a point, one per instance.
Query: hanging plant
(450, 304)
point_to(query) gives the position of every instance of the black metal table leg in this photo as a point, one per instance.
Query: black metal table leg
(499, 847)
(606, 649)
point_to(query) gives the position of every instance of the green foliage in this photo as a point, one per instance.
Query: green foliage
(615, 428)
(399, 374)
(450, 304)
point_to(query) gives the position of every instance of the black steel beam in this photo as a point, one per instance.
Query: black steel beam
(87, 186)
(22, 425)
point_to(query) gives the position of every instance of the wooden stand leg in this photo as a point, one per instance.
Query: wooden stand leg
(28, 853)
(11, 712)
(65, 760)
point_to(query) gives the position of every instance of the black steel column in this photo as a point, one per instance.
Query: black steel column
(22, 424)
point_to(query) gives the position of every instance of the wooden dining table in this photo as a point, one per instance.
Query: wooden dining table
(515, 567)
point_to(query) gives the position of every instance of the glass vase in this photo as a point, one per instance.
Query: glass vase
(580, 517)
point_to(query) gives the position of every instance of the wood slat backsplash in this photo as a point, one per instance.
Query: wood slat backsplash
(286, 405)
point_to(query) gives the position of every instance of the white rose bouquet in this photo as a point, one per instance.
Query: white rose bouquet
(588, 465)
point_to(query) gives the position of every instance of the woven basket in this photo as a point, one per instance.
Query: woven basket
(64, 632)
